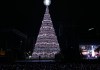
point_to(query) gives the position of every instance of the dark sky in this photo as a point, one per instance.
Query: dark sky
(72, 17)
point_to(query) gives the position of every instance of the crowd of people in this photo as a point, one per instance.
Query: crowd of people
(49, 66)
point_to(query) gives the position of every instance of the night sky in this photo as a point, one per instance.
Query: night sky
(72, 20)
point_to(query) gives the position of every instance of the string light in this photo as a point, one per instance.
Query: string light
(46, 45)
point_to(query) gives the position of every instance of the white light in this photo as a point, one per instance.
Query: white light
(30, 57)
(47, 2)
(90, 29)
(46, 35)
(93, 54)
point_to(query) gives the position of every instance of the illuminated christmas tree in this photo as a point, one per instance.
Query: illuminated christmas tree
(46, 45)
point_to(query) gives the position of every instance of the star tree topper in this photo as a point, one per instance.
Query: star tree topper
(47, 2)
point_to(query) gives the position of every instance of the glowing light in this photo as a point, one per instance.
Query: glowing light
(47, 2)
(43, 35)
(93, 53)
(30, 57)
(48, 43)
(90, 29)
(85, 53)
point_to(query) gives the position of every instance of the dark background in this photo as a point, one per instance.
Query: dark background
(20, 21)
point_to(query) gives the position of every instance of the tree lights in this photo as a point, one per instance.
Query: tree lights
(46, 45)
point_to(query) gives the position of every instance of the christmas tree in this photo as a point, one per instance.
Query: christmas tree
(46, 45)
